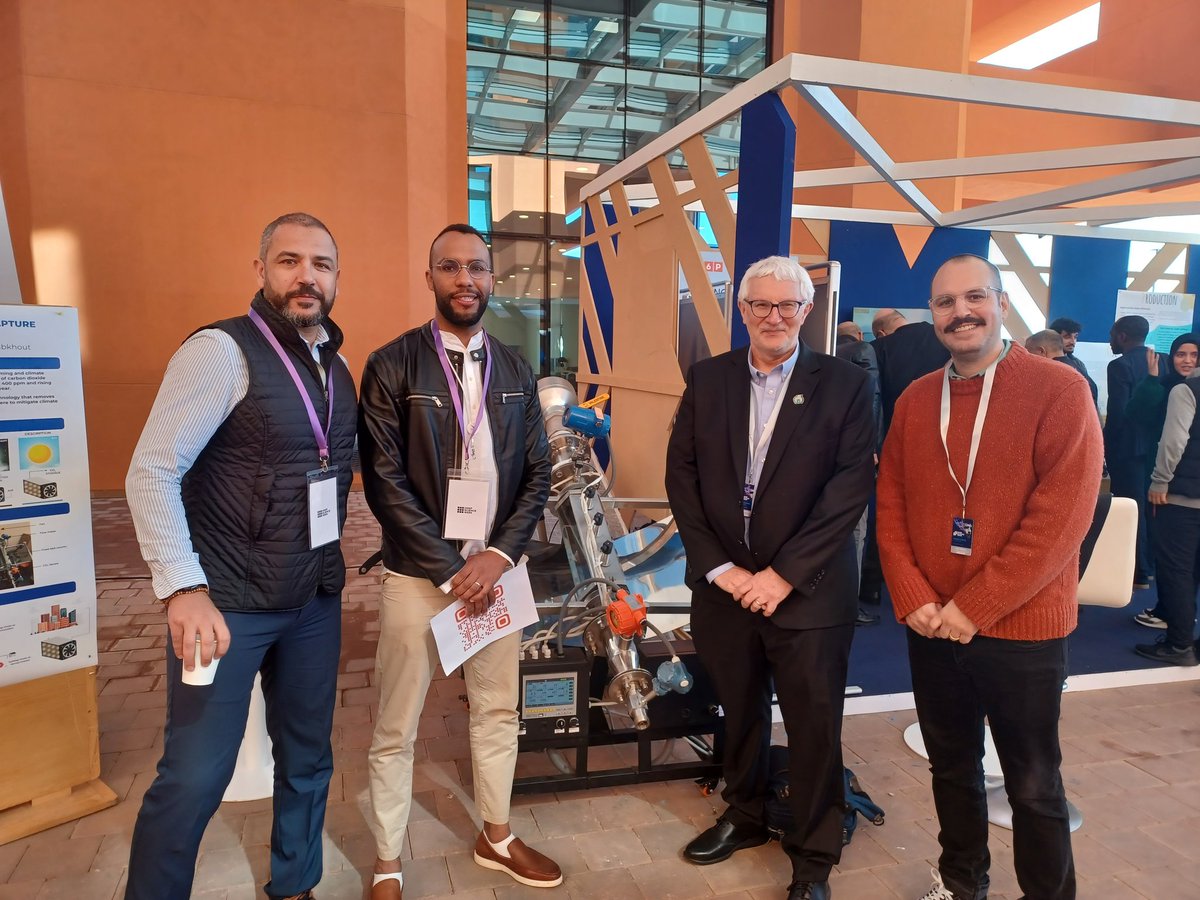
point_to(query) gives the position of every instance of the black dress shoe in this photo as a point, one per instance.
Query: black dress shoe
(722, 841)
(809, 890)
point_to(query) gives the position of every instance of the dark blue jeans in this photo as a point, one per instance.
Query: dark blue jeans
(1177, 551)
(297, 652)
(1127, 478)
(1017, 685)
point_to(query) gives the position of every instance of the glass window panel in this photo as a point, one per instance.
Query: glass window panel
(1037, 247)
(506, 99)
(735, 37)
(479, 195)
(587, 29)
(723, 139)
(516, 26)
(656, 102)
(514, 314)
(567, 177)
(516, 198)
(564, 309)
(586, 118)
(665, 34)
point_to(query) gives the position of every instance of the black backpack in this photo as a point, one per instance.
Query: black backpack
(779, 811)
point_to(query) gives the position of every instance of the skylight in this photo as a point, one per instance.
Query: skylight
(1051, 42)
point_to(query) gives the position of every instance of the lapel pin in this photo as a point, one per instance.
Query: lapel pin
(798, 400)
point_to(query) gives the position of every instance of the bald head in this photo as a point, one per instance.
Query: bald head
(886, 321)
(1045, 343)
(850, 330)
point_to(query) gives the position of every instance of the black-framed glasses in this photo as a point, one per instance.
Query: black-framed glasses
(788, 309)
(943, 304)
(451, 267)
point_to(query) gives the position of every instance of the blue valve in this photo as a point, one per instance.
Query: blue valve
(589, 422)
(672, 676)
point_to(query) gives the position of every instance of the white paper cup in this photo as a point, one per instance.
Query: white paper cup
(201, 675)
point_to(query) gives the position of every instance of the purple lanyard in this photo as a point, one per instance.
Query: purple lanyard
(455, 395)
(321, 436)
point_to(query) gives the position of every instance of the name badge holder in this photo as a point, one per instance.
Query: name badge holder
(323, 525)
(467, 498)
(962, 528)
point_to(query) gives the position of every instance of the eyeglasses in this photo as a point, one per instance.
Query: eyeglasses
(451, 267)
(788, 309)
(943, 305)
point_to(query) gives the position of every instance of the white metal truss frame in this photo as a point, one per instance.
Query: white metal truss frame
(1174, 162)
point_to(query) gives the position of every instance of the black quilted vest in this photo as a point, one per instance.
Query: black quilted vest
(1186, 481)
(246, 496)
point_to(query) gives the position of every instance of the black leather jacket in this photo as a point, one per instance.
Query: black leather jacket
(408, 438)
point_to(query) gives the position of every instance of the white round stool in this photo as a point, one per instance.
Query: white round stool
(999, 811)
(254, 774)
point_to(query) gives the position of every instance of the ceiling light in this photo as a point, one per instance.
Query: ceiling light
(606, 25)
(582, 169)
(1051, 42)
(528, 16)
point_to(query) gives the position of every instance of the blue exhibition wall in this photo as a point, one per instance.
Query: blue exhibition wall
(875, 271)
(1085, 272)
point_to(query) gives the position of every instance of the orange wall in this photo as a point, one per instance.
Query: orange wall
(154, 140)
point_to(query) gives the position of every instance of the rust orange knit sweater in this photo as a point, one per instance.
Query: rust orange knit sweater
(1032, 498)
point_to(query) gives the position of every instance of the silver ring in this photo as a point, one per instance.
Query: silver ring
(477, 584)
(954, 637)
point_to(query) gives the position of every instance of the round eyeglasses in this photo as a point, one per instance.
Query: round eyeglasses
(451, 267)
(788, 309)
(943, 304)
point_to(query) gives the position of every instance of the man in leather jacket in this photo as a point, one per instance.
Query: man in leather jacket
(445, 409)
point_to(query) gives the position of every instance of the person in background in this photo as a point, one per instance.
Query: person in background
(1125, 447)
(1068, 330)
(1147, 409)
(852, 348)
(1052, 345)
(1174, 496)
(905, 351)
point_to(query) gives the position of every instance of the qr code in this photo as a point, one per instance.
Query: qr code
(474, 630)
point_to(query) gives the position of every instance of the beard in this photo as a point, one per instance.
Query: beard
(445, 305)
(282, 304)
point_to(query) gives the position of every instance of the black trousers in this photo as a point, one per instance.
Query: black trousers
(745, 653)
(1128, 479)
(1018, 686)
(1177, 552)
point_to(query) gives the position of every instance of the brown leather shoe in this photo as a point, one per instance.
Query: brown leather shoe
(388, 889)
(523, 864)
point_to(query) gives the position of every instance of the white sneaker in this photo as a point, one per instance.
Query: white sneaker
(939, 891)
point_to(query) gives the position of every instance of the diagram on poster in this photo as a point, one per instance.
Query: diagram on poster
(47, 578)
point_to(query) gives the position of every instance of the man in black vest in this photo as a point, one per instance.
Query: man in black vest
(238, 491)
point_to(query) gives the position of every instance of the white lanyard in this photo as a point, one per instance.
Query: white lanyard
(768, 426)
(989, 377)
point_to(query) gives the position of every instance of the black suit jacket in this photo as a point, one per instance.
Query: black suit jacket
(905, 355)
(1123, 439)
(818, 475)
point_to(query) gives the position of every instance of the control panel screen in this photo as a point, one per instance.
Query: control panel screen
(548, 695)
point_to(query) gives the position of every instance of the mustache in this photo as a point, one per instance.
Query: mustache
(314, 292)
(962, 320)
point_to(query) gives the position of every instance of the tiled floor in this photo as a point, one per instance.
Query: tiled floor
(1132, 766)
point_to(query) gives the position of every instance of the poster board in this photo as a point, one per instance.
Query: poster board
(50, 744)
(1169, 314)
(47, 572)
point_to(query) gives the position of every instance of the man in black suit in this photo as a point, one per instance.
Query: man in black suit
(769, 466)
(1124, 442)
(905, 351)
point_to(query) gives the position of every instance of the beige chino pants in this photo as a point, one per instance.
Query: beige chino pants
(404, 664)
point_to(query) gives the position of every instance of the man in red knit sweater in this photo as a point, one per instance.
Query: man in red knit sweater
(987, 486)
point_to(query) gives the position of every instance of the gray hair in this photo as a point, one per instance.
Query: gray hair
(302, 219)
(781, 268)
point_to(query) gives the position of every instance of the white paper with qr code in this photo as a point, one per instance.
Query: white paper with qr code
(460, 636)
